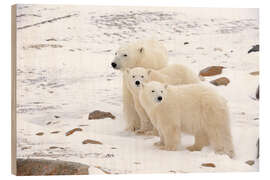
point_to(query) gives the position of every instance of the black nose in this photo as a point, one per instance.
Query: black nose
(159, 98)
(114, 65)
(137, 83)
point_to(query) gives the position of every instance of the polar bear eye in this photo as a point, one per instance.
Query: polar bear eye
(153, 91)
(133, 76)
(142, 76)
(125, 55)
(161, 91)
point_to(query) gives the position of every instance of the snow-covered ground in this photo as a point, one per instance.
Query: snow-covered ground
(64, 73)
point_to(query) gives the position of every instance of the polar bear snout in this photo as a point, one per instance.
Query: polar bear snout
(159, 98)
(137, 83)
(114, 65)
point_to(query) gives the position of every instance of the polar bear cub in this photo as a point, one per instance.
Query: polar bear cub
(194, 109)
(148, 53)
(172, 74)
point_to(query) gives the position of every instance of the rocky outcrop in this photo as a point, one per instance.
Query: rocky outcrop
(100, 115)
(211, 71)
(220, 81)
(38, 167)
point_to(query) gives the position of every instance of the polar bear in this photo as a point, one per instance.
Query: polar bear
(147, 54)
(194, 109)
(173, 74)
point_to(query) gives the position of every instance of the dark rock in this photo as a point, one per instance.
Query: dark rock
(185, 43)
(250, 162)
(208, 165)
(55, 132)
(258, 148)
(211, 71)
(258, 93)
(89, 141)
(40, 133)
(35, 167)
(72, 131)
(254, 48)
(220, 81)
(100, 115)
(255, 73)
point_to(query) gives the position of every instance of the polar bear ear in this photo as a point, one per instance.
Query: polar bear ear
(149, 71)
(141, 50)
(166, 86)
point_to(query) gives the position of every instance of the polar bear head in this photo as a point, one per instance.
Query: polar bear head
(154, 92)
(127, 56)
(136, 77)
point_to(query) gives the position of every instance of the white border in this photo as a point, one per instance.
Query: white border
(264, 83)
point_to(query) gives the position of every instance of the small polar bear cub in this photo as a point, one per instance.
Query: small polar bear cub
(173, 74)
(194, 109)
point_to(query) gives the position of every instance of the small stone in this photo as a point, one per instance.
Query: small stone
(53, 147)
(100, 115)
(55, 132)
(40, 134)
(255, 73)
(26, 147)
(211, 71)
(72, 131)
(208, 165)
(254, 48)
(218, 49)
(89, 141)
(258, 93)
(220, 81)
(250, 162)
(51, 39)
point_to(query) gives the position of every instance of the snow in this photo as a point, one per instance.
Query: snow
(71, 76)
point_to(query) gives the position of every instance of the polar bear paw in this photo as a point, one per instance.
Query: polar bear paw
(159, 143)
(194, 148)
(140, 132)
(131, 128)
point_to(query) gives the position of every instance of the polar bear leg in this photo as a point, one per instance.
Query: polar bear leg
(161, 142)
(145, 124)
(171, 134)
(201, 140)
(220, 139)
(130, 114)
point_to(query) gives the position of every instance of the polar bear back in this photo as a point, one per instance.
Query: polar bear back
(174, 74)
(155, 55)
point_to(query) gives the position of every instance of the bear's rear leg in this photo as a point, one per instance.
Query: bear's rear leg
(201, 140)
(221, 141)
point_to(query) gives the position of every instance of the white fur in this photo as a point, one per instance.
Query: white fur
(173, 74)
(195, 109)
(148, 54)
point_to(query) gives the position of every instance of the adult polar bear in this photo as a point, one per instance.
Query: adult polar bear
(145, 53)
(194, 109)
